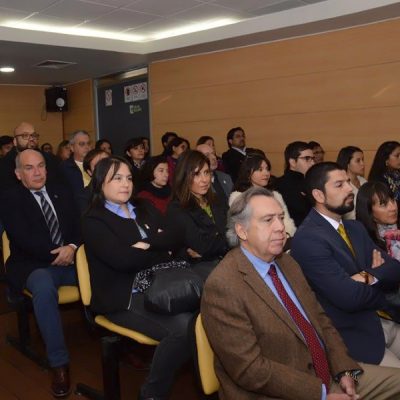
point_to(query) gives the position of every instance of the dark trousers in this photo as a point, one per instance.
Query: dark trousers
(43, 283)
(174, 349)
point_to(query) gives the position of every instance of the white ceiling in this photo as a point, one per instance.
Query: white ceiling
(141, 22)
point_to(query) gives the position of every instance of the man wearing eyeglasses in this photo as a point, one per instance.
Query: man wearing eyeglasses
(299, 158)
(25, 137)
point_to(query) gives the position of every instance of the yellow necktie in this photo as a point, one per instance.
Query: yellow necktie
(343, 234)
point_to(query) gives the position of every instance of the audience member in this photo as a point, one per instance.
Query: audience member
(232, 158)
(198, 217)
(348, 272)
(318, 151)
(104, 145)
(209, 140)
(64, 150)
(134, 152)
(122, 239)
(155, 183)
(270, 337)
(221, 182)
(43, 228)
(46, 148)
(176, 147)
(386, 167)
(351, 159)
(73, 170)
(89, 163)
(6, 144)
(298, 159)
(146, 146)
(165, 139)
(255, 171)
(25, 137)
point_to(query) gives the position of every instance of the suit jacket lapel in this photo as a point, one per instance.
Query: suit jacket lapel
(253, 279)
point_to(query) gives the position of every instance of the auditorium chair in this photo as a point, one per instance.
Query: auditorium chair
(110, 342)
(22, 305)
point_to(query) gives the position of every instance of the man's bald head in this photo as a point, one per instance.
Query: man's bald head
(31, 169)
(25, 136)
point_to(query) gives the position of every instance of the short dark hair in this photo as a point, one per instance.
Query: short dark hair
(100, 142)
(314, 144)
(45, 144)
(89, 157)
(97, 199)
(174, 143)
(6, 140)
(249, 165)
(345, 155)
(317, 176)
(203, 139)
(166, 136)
(184, 174)
(231, 133)
(150, 166)
(293, 151)
(364, 205)
(131, 143)
(379, 166)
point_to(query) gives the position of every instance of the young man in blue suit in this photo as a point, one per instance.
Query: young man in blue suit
(43, 228)
(348, 273)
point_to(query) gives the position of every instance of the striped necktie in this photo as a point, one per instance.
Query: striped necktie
(51, 220)
(342, 232)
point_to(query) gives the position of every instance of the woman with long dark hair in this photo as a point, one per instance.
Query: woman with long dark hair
(122, 239)
(155, 187)
(256, 171)
(386, 167)
(351, 159)
(198, 217)
(176, 147)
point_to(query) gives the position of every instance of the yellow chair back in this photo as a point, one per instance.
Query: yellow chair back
(82, 269)
(205, 358)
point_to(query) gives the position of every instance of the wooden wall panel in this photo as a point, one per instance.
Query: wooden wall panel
(338, 88)
(27, 103)
(80, 114)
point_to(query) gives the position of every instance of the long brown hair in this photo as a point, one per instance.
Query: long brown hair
(190, 162)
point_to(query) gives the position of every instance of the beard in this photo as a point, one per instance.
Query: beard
(343, 208)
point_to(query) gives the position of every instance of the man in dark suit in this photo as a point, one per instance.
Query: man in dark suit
(76, 177)
(234, 157)
(221, 183)
(43, 228)
(348, 273)
(270, 336)
(25, 137)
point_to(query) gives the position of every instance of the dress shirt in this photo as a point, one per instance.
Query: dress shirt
(241, 151)
(262, 267)
(46, 196)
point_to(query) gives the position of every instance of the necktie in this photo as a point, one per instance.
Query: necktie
(342, 232)
(51, 220)
(318, 355)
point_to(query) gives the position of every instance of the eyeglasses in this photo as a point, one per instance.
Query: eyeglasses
(27, 136)
(307, 158)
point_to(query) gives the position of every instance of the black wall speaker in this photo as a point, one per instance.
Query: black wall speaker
(56, 99)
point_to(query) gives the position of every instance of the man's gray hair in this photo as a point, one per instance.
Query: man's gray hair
(75, 134)
(240, 212)
(18, 158)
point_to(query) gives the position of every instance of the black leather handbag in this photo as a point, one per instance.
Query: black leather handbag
(174, 291)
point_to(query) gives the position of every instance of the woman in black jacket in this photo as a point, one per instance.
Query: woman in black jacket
(122, 239)
(197, 216)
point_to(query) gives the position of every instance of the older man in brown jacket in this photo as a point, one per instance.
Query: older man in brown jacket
(270, 336)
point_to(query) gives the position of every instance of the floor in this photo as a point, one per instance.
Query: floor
(22, 379)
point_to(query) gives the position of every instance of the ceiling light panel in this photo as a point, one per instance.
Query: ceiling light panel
(27, 5)
(78, 10)
(162, 8)
(247, 5)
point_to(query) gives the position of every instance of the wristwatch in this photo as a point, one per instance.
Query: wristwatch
(353, 374)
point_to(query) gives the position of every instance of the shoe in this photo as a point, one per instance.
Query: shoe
(60, 383)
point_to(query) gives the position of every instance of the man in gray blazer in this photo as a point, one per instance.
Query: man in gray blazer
(270, 336)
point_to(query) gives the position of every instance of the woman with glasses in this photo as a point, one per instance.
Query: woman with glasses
(256, 171)
(351, 159)
(123, 238)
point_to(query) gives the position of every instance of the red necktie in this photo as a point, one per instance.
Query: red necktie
(317, 352)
